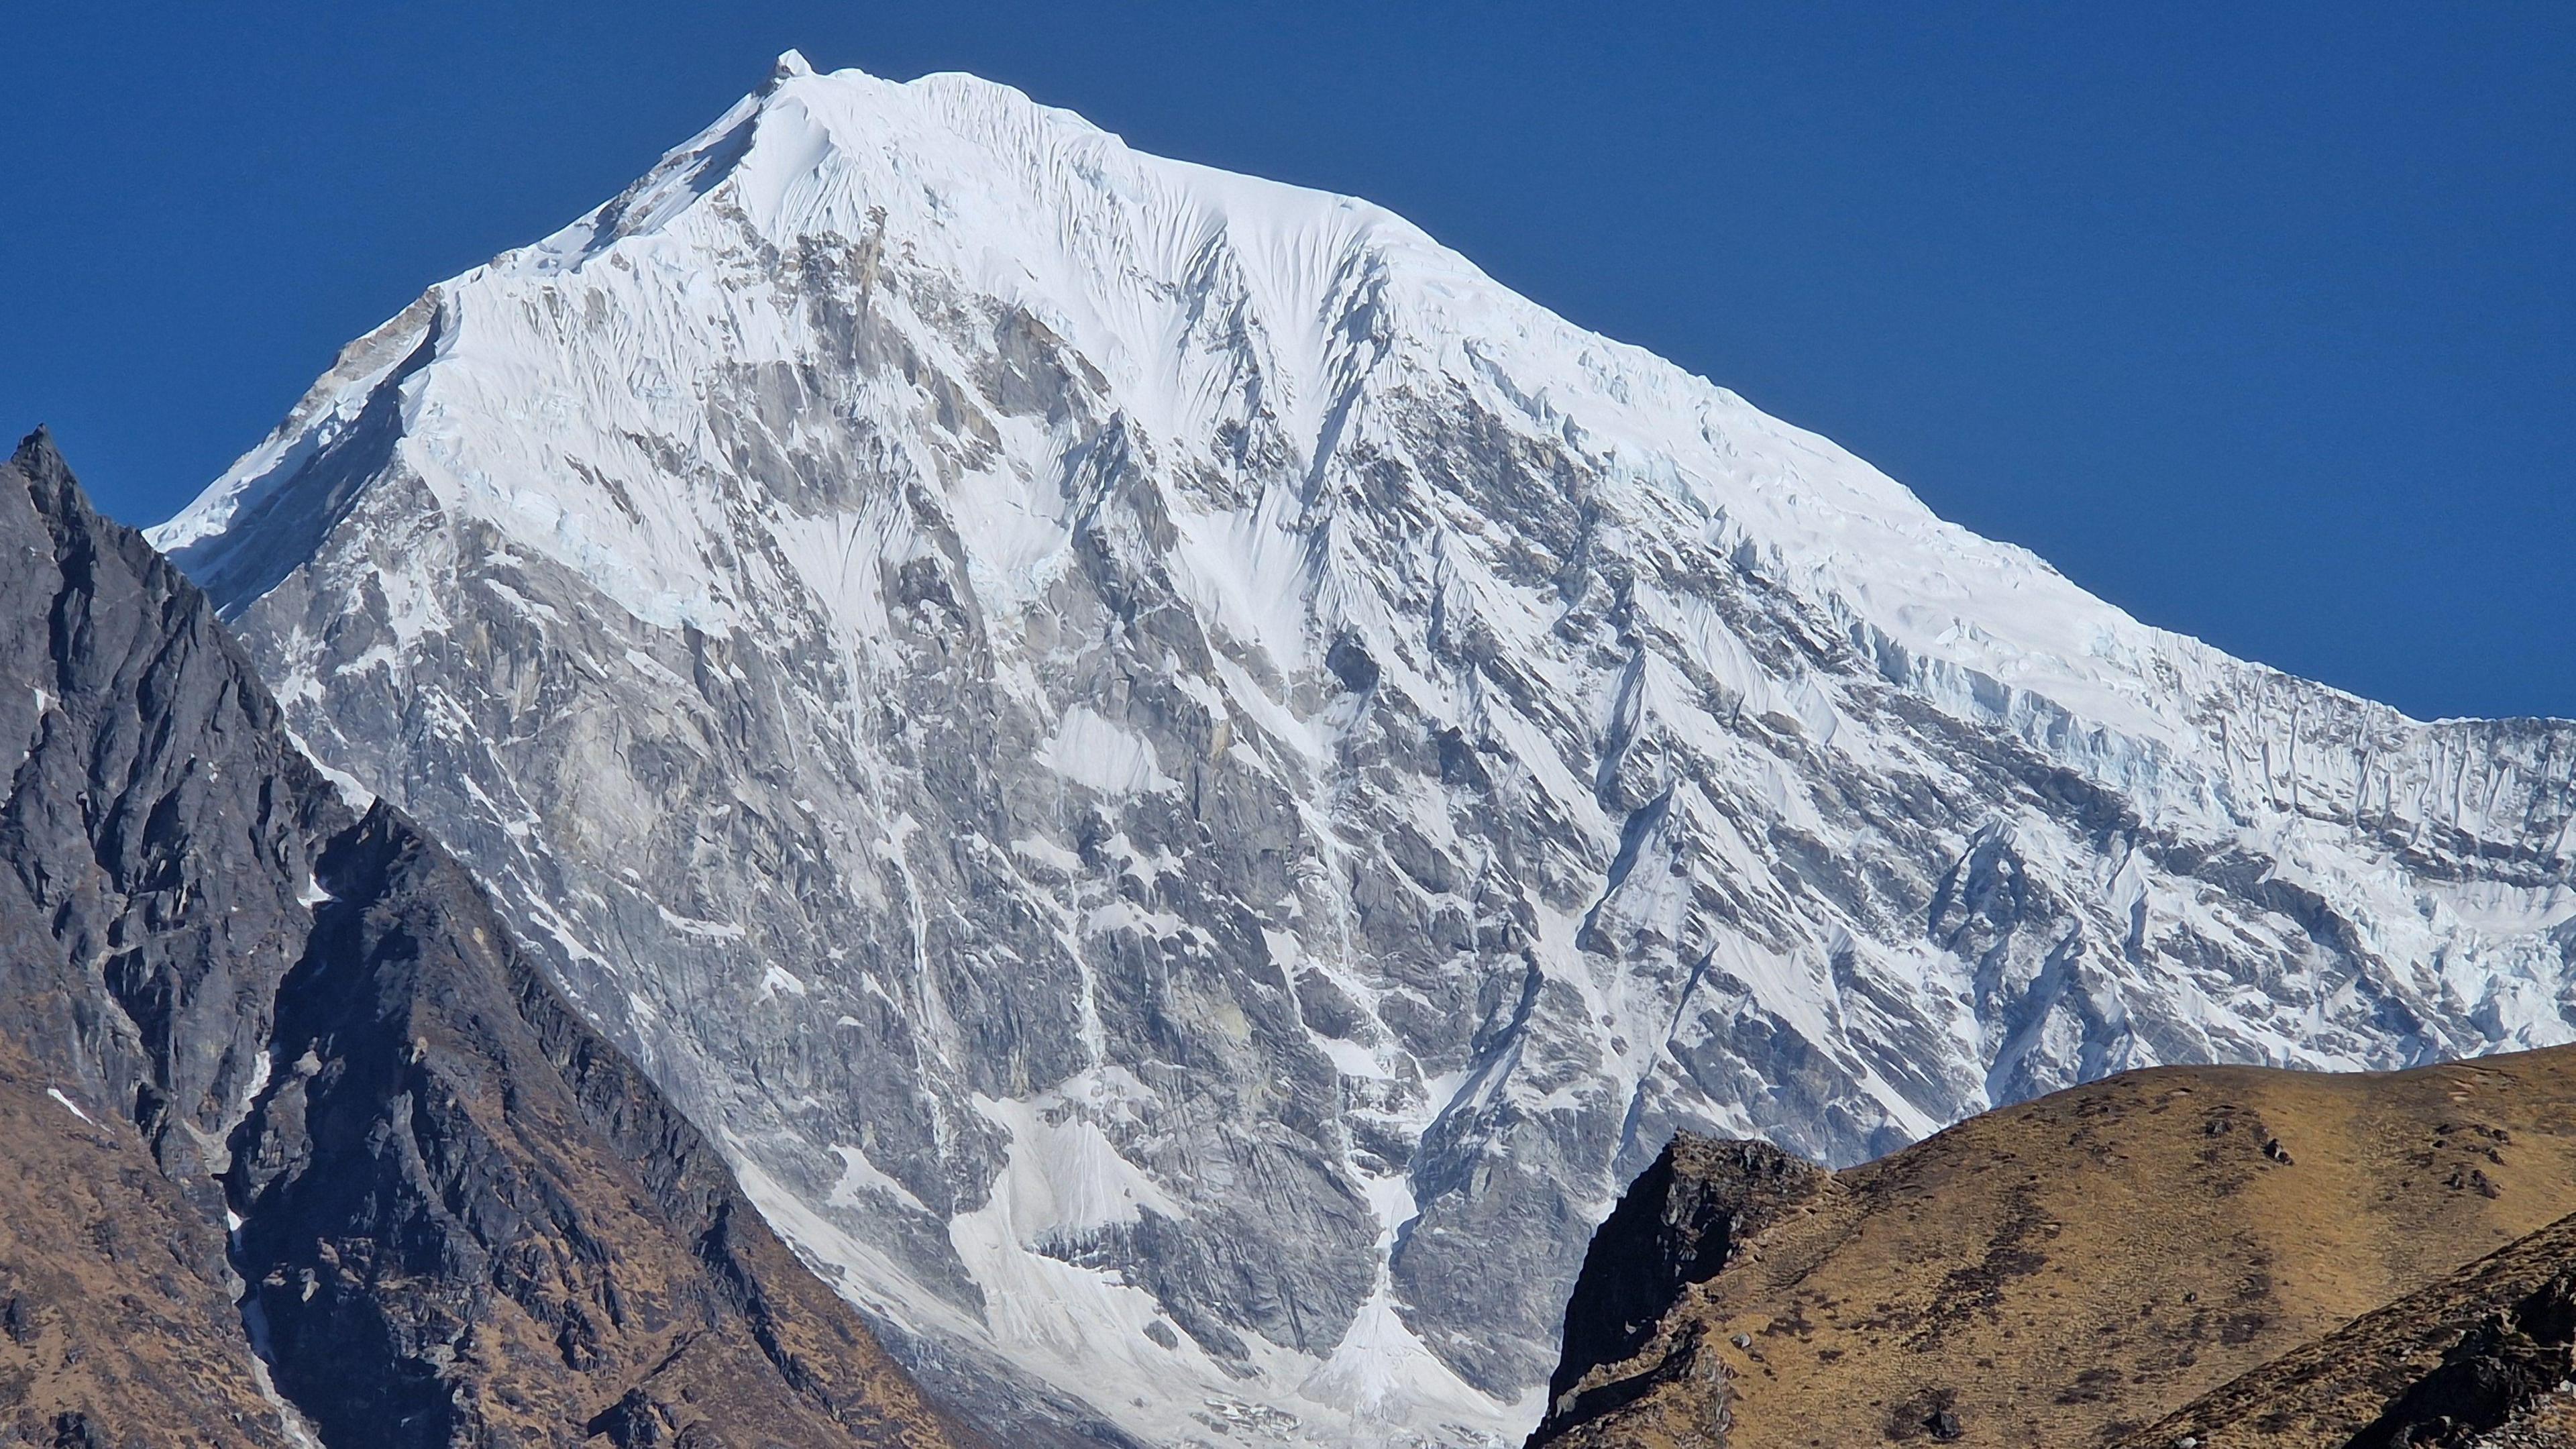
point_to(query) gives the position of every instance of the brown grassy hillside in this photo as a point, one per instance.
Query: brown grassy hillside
(2476, 1358)
(116, 1311)
(2067, 1271)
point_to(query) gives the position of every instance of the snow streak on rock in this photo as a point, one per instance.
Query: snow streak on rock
(1191, 785)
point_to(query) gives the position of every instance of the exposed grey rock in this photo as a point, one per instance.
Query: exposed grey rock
(463, 1217)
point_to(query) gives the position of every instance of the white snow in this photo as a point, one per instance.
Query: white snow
(1065, 1177)
(68, 1104)
(1090, 750)
(695, 926)
(356, 795)
(859, 1175)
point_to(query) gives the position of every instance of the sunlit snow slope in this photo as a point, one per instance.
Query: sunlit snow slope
(1191, 785)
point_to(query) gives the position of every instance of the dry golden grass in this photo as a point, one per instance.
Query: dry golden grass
(2323, 1392)
(116, 1311)
(2068, 1271)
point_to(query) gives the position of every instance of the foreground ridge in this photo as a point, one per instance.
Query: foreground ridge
(2067, 1271)
(288, 1050)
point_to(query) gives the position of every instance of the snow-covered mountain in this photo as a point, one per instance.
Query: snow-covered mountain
(1190, 785)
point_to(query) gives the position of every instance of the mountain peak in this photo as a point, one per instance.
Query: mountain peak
(1186, 781)
(790, 65)
(36, 452)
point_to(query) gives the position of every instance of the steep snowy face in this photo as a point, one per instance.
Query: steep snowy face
(1190, 786)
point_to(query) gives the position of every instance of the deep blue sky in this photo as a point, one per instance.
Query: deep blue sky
(2258, 320)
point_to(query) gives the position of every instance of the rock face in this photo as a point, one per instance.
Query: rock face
(2067, 1271)
(456, 1181)
(462, 1216)
(1188, 786)
(158, 834)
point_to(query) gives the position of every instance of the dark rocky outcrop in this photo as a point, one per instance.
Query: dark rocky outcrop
(156, 837)
(464, 1217)
(1677, 1225)
(2501, 1366)
(452, 1176)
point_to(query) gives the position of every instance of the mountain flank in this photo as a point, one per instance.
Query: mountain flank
(1187, 786)
(2075, 1269)
(299, 1147)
